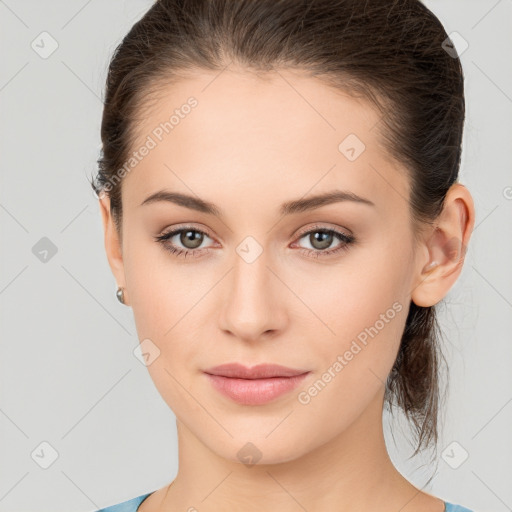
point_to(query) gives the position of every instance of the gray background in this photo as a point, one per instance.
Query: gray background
(68, 376)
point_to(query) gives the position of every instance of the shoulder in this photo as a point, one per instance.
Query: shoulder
(451, 507)
(126, 506)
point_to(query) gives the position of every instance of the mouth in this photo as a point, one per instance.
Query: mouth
(254, 386)
(260, 371)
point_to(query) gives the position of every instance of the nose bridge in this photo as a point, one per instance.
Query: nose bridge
(251, 306)
(251, 275)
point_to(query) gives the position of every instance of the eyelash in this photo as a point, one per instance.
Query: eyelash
(346, 240)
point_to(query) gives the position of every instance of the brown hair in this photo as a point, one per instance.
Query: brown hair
(389, 51)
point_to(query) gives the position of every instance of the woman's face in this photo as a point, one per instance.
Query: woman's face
(265, 285)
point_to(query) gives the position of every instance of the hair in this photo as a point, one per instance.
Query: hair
(390, 52)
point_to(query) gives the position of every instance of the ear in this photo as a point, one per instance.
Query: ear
(113, 245)
(444, 249)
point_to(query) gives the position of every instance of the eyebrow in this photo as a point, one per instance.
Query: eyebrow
(287, 208)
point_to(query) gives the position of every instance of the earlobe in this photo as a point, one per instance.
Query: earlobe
(112, 244)
(446, 248)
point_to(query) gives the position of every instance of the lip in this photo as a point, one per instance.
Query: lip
(260, 371)
(254, 386)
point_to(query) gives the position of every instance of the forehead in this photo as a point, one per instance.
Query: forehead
(281, 134)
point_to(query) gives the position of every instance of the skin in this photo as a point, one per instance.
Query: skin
(248, 146)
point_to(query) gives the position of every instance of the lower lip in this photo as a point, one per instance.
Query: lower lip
(255, 391)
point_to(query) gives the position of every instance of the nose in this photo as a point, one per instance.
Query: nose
(254, 300)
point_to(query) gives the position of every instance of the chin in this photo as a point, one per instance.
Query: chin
(260, 450)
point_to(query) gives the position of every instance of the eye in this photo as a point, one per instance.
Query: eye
(320, 238)
(191, 238)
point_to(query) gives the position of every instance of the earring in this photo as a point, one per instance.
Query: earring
(120, 295)
(429, 266)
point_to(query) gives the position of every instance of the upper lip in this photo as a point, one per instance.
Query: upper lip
(260, 371)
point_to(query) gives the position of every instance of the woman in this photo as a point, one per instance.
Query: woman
(279, 194)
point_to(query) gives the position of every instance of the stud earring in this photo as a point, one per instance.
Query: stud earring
(120, 295)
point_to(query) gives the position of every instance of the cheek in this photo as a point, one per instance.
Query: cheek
(167, 306)
(353, 364)
(359, 315)
(163, 312)
(154, 287)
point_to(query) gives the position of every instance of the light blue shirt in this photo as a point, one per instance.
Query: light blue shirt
(133, 504)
